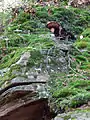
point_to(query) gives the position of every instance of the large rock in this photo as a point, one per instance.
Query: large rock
(26, 110)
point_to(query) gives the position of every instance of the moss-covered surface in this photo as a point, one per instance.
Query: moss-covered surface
(69, 91)
(29, 33)
(84, 46)
(74, 20)
(75, 115)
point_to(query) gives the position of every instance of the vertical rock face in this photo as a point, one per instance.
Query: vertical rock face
(30, 110)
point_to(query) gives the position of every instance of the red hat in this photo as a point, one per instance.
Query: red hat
(52, 24)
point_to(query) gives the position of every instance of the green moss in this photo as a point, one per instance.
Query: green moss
(7, 77)
(80, 83)
(81, 58)
(85, 66)
(86, 33)
(8, 61)
(16, 68)
(86, 39)
(42, 14)
(64, 92)
(71, 19)
(80, 99)
(86, 54)
(81, 44)
(35, 59)
(73, 95)
(88, 47)
(88, 88)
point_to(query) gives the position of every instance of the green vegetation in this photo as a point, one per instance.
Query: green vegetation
(84, 46)
(69, 92)
(72, 19)
(29, 33)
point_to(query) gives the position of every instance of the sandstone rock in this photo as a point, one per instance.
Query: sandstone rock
(29, 110)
